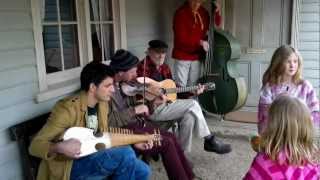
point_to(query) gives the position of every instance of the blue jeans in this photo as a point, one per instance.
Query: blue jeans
(118, 163)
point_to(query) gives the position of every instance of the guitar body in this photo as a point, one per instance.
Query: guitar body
(169, 84)
(91, 143)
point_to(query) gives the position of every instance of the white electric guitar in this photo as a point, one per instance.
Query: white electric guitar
(91, 143)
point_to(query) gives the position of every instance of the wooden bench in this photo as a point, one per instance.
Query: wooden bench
(23, 133)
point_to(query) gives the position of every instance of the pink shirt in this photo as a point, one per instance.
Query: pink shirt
(263, 168)
(303, 91)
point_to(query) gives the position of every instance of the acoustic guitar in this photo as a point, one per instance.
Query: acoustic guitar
(168, 87)
(91, 142)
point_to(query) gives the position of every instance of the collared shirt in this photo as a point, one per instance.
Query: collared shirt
(151, 71)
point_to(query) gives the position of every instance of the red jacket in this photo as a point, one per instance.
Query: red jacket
(188, 31)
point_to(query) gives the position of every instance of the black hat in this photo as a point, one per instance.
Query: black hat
(123, 60)
(158, 45)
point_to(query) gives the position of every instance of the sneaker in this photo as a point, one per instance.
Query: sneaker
(214, 145)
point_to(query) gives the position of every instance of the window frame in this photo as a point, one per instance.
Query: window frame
(62, 83)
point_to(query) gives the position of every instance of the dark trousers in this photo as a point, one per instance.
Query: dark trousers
(173, 158)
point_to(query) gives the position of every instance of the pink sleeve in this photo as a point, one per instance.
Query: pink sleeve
(263, 106)
(313, 103)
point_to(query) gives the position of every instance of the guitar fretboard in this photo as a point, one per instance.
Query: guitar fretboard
(182, 89)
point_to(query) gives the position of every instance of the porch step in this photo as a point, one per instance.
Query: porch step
(242, 116)
(245, 114)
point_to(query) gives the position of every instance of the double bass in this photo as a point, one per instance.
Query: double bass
(231, 92)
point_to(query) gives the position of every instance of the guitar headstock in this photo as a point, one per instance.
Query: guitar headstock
(156, 137)
(210, 86)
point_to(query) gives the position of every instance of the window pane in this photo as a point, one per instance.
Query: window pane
(52, 49)
(106, 14)
(107, 32)
(96, 45)
(68, 10)
(106, 10)
(70, 46)
(50, 10)
(107, 40)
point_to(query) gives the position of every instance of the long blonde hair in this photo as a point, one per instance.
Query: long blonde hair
(276, 69)
(289, 130)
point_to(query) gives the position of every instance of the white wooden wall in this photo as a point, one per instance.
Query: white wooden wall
(18, 80)
(309, 39)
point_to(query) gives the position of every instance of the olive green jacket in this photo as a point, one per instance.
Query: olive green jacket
(68, 112)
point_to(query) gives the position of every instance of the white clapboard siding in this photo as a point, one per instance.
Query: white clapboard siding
(18, 80)
(310, 17)
(14, 77)
(310, 41)
(310, 54)
(22, 112)
(309, 46)
(16, 39)
(11, 150)
(310, 7)
(18, 94)
(311, 73)
(309, 27)
(311, 64)
(16, 5)
(309, 36)
(23, 20)
(24, 56)
(310, 1)
(4, 138)
(11, 170)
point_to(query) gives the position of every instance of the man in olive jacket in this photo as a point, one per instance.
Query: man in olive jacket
(60, 159)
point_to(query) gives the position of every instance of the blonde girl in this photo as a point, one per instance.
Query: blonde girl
(287, 149)
(283, 76)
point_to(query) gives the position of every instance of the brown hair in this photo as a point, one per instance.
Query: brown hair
(289, 130)
(273, 74)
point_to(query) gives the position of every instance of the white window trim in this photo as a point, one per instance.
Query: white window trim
(119, 16)
(52, 86)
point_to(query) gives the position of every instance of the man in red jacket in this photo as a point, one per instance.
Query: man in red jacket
(190, 26)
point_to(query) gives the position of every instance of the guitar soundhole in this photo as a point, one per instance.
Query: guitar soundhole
(98, 134)
(100, 146)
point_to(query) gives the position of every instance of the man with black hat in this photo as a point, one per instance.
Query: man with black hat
(187, 111)
(124, 112)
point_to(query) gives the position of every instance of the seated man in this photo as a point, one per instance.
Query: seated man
(60, 159)
(124, 113)
(187, 111)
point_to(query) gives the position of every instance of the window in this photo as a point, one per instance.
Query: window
(101, 26)
(70, 33)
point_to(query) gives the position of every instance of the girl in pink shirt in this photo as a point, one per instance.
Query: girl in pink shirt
(283, 76)
(287, 149)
